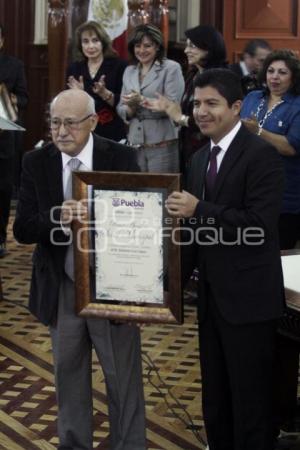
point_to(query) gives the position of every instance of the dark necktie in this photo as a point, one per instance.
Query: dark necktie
(212, 172)
(74, 164)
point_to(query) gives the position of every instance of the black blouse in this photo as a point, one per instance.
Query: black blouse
(110, 125)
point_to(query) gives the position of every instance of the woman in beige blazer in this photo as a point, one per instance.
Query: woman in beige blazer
(154, 134)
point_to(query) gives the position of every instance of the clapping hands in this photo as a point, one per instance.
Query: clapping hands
(133, 99)
(252, 124)
(99, 87)
(163, 104)
(75, 84)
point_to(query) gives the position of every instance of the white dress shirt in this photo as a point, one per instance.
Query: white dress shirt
(224, 143)
(86, 163)
(85, 157)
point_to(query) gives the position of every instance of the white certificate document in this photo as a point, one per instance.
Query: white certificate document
(128, 246)
(291, 270)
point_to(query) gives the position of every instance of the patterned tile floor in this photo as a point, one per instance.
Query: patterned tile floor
(27, 396)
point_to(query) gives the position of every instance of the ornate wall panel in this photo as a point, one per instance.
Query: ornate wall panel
(274, 20)
(268, 18)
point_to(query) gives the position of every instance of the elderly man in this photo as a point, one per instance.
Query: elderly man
(45, 186)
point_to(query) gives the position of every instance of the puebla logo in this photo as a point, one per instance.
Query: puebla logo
(116, 201)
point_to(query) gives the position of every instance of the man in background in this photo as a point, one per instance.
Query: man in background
(254, 54)
(13, 76)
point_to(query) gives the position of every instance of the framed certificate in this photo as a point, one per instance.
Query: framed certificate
(127, 255)
(7, 110)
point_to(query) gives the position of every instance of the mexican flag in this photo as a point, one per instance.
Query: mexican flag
(113, 16)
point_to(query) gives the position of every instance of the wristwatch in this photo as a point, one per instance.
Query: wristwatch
(183, 121)
(108, 96)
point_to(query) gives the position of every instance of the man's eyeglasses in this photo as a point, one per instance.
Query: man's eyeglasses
(69, 124)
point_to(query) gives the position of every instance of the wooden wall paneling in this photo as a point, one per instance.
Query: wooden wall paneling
(211, 13)
(273, 20)
(57, 45)
(38, 89)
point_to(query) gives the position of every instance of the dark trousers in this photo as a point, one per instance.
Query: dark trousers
(6, 190)
(287, 350)
(289, 230)
(118, 349)
(236, 367)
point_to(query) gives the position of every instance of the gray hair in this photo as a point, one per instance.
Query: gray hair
(85, 97)
(91, 106)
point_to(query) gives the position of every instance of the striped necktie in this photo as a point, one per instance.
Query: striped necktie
(74, 164)
(212, 172)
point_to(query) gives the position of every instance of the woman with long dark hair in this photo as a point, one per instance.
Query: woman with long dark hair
(205, 49)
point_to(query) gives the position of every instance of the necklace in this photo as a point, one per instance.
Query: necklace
(93, 68)
(268, 113)
(143, 71)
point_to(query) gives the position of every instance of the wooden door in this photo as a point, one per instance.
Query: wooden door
(277, 21)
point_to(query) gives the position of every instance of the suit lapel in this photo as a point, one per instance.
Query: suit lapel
(135, 84)
(151, 75)
(199, 168)
(53, 172)
(233, 152)
(102, 154)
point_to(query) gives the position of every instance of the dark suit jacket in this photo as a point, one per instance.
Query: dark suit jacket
(12, 74)
(236, 68)
(41, 190)
(246, 280)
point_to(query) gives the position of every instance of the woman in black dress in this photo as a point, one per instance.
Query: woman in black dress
(99, 72)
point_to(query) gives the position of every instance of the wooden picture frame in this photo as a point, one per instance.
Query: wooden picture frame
(127, 256)
(7, 110)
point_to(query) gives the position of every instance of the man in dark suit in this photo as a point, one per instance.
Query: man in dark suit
(12, 74)
(254, 54)
(45, 184)
(231, 210)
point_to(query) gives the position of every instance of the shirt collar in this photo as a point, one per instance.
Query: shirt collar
(226, 140)
(85, 156)
(244, 68)
(155, 64)
(288, 96)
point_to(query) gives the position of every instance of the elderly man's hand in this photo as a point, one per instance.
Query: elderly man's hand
(73, 210)
(181, 204)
